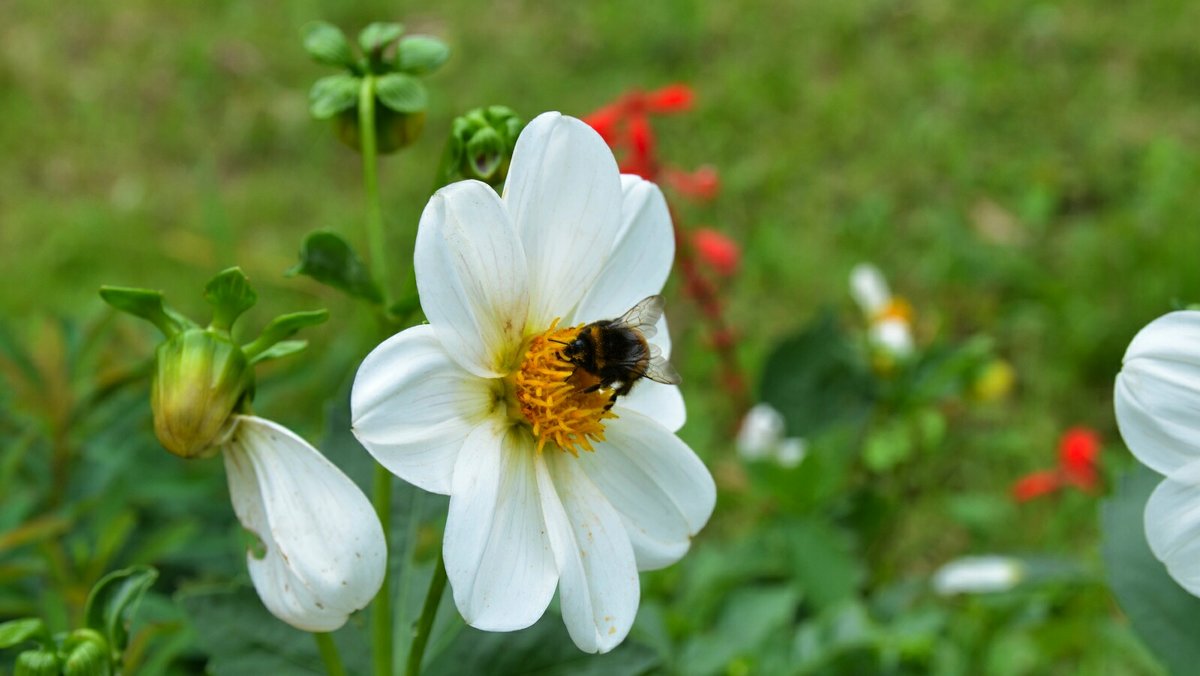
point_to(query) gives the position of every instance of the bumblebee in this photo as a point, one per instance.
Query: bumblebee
(615, 352)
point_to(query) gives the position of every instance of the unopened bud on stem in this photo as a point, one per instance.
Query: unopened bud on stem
(200, 379)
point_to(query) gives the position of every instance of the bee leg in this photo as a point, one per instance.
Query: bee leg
(619, 392)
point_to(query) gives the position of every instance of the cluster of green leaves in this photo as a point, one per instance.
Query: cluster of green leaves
(388, 68)
(97, 648)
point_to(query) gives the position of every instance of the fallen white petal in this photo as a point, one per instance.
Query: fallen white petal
(471, 277)
(325, 550)
(978, 575)
(412, 406)
(598, 583)
(498, 556)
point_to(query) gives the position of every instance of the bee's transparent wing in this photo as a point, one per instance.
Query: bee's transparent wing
(644, 316)
(660, 370)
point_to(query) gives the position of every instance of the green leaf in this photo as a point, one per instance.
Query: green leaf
(544, 649)
(239, 636)
(379, 35)
(146, 304)
(331, 95)
(749, 621)
(421, 54)
(326, 44)
(113, 601)
(230, 294)
(16, 632)
(328, 258)
(1162, 613)
(402, 93)
(815, 380)
(281, 328)
(888, 446)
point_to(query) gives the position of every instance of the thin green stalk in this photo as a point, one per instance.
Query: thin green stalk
(408, 565)
(375, 239)
(381, 614)
(425, 623)
(329, 654)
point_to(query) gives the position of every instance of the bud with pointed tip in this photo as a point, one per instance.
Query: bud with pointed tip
(481, 145)
(200, 379)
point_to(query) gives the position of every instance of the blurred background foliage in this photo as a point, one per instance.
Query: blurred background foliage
(1027, 174)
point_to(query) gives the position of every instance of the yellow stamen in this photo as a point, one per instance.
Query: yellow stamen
(550, 395)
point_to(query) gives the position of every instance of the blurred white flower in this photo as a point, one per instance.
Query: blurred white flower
(889, 317)
(978, 575)
(760, 436)
(325, 551)
(1157, 401)
(548, 488)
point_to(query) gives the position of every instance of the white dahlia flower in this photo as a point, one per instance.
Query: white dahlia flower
(324, 550)
(548, 488)
(1157, 401)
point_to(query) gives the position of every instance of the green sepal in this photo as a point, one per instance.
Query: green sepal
(326, 44)
(280, 329)
(86, 653)
(378, 35)
(147, 305)
(36, 663)
(402, 93)
(230, 294)
(278, 350)
(15, 632)
(329, 259)
(421, 54)
(332, 95)
(112, 603)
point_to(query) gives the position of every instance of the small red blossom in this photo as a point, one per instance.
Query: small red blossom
(1036, 484)
(1078, 466)
(670, 99)
(718, 251)
(1078, 452)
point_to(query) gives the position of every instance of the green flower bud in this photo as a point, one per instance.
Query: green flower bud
(481, 145)
(86, 654)
(393, 130)
(200, 378)
(36, 663)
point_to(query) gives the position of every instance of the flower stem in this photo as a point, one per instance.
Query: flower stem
(375, 238)
(381, 614)
(428, 612)
(329, 654)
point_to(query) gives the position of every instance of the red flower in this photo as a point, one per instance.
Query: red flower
(703, 183)
(670, 99)
(1036, 485)
(1078, 452)
(1078, 466)
(717, 250)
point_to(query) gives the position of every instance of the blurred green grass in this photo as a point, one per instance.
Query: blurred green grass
(1025, 170)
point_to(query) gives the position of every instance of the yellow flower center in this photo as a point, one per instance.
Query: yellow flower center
(551, 394)
(897, 308)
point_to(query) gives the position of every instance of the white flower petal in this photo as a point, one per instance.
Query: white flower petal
(641, 256)
(663, 492)
(1157, 396)
(498, 557)
(472, 277)
(564, 196)
(412, 406)
(894, 335)
(978, 575)
(657, 401)
(869, 288)
(1173, 525)
(761, 431)
(598, 584)
(325, 551)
